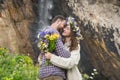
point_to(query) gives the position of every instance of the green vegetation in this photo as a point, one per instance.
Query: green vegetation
(93, 75)
(16, 66)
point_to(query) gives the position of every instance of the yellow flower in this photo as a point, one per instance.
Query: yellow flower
(56, 36)
(2, 48)
(43, 44)
(47, 36)
(53, 36)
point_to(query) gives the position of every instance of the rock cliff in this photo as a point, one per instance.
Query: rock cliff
(99, 21)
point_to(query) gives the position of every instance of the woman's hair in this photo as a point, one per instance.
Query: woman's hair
(74, 41)
(75, 32)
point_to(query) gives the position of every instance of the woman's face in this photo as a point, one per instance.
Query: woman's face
(66, 31)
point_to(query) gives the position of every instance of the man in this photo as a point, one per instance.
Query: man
(52, 72)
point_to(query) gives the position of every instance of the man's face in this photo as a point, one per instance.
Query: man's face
(62, 24)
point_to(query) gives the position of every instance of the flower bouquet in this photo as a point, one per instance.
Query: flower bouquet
(47, 42)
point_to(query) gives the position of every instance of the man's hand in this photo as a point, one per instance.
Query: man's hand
(48, 55)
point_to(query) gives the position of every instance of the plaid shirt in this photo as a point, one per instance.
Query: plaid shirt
(49, 70)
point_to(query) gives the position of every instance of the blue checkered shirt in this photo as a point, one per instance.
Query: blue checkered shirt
(52, 70)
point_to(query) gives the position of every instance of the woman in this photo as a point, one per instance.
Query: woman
(71, 35)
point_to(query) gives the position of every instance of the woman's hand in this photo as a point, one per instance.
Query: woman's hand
(48, 55)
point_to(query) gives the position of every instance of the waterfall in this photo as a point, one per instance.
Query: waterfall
(45, 16)
(42, 21)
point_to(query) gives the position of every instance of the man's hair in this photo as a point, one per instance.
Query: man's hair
(58, 17)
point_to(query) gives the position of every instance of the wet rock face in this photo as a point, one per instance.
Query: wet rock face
(15, 19)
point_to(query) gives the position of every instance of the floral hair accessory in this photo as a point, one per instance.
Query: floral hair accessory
(71, 21)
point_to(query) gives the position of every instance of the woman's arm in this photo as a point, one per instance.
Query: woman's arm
(66, 63)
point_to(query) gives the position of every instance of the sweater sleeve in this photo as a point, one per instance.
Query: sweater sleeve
(67, 63)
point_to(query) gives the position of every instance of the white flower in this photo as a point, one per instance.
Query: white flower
(95, 72)
(39, 44)
(94, 69)
(92, 74)
(68, 23)
(38, 36)
(72, 19)
(69, 18)
(77, 28)
(91, 77)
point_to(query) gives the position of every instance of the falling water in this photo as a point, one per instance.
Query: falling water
(43, 20)
(44, 13)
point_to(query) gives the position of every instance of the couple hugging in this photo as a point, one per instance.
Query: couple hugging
(65, 58)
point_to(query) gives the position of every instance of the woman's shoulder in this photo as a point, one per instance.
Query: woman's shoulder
(79, 45)
(78, 48)
(76, 51)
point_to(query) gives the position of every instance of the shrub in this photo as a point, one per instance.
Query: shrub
(16, 66)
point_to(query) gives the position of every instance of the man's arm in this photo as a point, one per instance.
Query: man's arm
(61, 51)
